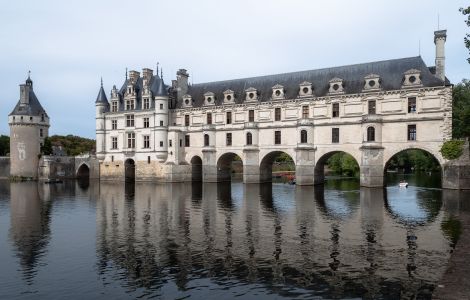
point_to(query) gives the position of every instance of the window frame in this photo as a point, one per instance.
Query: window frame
(249, 138)
(412, 132)
(277, 114)
(335, 110)
(303, 136)
(371, 134)
(335, 135)
(277, 137)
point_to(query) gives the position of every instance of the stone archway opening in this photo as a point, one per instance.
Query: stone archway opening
(337, 164)
(229, 167)
(129, 170)
(83, 172)
(196, 168)
(277, 164)
(416, 166)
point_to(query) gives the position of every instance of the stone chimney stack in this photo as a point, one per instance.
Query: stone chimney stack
(440, 40)
(182, 83)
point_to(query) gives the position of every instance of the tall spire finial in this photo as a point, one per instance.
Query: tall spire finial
(157, 67)
(29, 74)
(126, 73)
(161, 73)
(101, 81)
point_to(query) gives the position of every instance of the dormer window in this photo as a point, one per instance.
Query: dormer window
(229, 97)
(305, 89)
(336, 86)
(209, 98)
(146, 103)
(372, 82)
(187, 100)
(278, 92)
(412, 78)
(114, 106)
(130, 105)
(251, 94)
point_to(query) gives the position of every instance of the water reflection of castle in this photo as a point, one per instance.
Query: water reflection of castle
(351, 244)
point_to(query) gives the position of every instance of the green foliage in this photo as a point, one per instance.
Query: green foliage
(452, 149)
(4, 145)
(46, 148)
(466, 12)
(343, 164)
(415, 159)
(452, 228)
(461, 110)
(73, 145)
(284, 157)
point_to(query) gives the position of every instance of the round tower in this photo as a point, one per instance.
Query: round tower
(102, 106)
(161, 121)
(29, 126)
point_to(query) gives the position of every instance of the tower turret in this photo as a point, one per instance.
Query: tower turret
(102, 106)
(161, 119)
(29, 126)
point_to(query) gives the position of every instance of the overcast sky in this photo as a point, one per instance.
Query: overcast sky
(69, 45)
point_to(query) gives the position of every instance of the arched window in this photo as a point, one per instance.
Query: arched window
(370, 134)
(206, 140)
(303, 136)
(249, 138)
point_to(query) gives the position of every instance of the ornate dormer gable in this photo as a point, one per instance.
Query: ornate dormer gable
(412, 78)
(278, 92)
(306, 89)
(209, 98)
(114, 93)
(336, 86)
(251, 94)
(187, 101)
(372, 82)
(229, 97)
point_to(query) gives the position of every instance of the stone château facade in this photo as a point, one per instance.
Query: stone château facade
(179, 132)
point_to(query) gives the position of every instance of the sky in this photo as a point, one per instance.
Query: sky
(70, 45)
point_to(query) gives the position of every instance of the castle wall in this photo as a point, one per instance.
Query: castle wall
(56, 167)
(24, 150)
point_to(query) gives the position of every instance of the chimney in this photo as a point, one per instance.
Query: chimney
(134, 76)
(24, 93)
(440, 40)
(182, 83)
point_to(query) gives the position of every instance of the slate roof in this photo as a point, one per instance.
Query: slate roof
(101, 98)
(34, 108)
(390, 72)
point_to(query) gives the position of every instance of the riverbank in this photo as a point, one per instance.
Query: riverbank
(455, 284)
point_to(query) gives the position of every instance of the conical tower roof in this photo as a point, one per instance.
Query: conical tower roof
(101, 95)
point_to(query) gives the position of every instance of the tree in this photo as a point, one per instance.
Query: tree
(46, 148)
(461, 110)
(4, 145)
(466, 12)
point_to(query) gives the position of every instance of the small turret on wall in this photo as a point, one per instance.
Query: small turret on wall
(29, 126)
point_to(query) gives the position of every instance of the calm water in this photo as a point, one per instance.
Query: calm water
(209, 241)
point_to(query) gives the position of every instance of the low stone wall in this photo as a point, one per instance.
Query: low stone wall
(456, 173)
(4, 167)
(61, 167)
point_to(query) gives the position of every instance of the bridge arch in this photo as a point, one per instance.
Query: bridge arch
(83, 171)
(266, 164)
(129, 169)
(196, 168)
(224, 165)
(390, 153)
(319, 170)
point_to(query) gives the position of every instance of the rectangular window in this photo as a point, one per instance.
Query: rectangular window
(412, 104)
(129, 104)
(228, 139)
(161, 105)
(146, 141)
(372, 107)
(161, 123)
(229, 117)
(161, 143)
(114, 142)
(114, 106)
(146, 103)
(186, 140)
(112, 158)
(277, 137)
(335, 110)
(277, 114)
(335, 135)
(305, 112)
(209, 118)
(113, 124)
(170, 143)
(131, 140)
(42, 117)
(181, 143)
(40, 132)
(130, 121)
(146, 123)
(148, 159)
(251, 115)
(411, 132)
(186, 120)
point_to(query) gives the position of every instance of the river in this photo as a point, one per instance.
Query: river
(92, 240)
